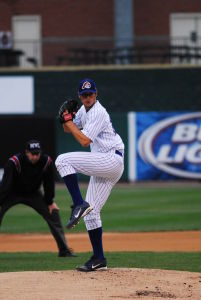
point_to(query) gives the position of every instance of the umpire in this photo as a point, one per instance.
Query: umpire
(23, 176)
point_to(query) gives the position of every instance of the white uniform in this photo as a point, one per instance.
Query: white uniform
(103, 165)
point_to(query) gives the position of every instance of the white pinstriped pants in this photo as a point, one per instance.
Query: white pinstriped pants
(105, 170)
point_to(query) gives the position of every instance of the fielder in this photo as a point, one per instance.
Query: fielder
(23, 176)
(90, 125)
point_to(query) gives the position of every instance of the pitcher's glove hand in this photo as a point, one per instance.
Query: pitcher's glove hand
(68, 111)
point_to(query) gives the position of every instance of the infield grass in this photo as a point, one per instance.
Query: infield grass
(127, 209)
(14, 262)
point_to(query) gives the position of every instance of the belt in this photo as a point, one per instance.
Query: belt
(118, 152)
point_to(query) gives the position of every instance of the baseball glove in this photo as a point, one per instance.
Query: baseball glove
(68, 110)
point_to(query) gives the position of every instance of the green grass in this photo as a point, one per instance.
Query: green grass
(14, 262)
(127, 209)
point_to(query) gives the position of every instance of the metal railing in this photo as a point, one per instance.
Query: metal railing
(96, 51)
(131, 55)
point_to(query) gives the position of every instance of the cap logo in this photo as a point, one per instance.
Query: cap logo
(86, 85)
(34, 145)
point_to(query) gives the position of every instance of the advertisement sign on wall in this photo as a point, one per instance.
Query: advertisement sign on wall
(167, 146)
(16, 94)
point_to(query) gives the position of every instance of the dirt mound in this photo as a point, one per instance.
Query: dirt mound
(110, 284)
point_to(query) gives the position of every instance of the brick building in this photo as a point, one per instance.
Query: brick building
(48, 31)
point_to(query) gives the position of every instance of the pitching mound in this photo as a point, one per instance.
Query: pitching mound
(110, 284)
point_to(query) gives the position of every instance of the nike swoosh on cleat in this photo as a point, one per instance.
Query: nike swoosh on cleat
(78, 213)
(95, 266)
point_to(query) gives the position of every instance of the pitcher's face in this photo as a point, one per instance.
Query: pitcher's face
(88, 99)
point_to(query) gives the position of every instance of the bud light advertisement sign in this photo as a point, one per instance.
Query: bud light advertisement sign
(168, 145)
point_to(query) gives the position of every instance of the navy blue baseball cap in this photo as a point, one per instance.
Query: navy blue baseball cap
(87, 86)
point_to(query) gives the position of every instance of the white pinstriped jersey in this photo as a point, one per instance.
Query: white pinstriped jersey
(103, 164)
(97, 126)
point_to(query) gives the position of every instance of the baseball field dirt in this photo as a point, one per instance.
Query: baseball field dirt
(101, 285)
(111, 284)
(138, 241)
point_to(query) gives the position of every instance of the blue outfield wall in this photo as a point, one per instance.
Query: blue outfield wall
(164, 146)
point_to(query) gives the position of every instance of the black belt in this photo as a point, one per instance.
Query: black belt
(118, 152)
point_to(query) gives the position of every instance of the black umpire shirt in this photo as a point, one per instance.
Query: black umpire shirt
(22, 178)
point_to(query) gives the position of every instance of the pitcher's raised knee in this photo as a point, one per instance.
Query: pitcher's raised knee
(63, 165)
(58, 161)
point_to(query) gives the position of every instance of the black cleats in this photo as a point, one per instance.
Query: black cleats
(93, 264)
(78, 212)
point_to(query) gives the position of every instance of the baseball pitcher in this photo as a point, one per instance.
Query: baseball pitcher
(91, 126)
